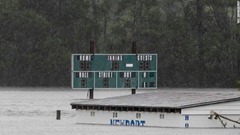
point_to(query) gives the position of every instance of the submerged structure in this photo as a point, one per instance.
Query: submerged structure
(182, 109)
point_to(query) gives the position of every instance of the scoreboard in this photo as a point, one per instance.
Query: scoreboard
(120, 71)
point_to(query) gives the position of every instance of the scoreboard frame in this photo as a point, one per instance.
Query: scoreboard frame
(116, 73)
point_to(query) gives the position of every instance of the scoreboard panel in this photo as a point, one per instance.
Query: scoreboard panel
(121, 71)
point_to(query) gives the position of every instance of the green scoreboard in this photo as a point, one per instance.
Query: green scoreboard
(120, 71)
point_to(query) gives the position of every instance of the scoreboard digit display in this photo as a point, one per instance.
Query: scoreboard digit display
(120, 71)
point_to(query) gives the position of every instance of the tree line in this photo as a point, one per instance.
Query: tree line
(197, 41)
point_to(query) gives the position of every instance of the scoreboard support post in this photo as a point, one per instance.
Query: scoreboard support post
(91, 93)
(133, 91)
(92, 50)
(134, 51)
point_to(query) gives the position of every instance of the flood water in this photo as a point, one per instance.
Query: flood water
(32, 111)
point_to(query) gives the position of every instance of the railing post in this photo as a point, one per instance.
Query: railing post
(58, 114)
(91, 93)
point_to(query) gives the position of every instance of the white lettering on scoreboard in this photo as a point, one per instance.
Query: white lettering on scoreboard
(105, 75)
(83, 74)
(84, 57)
(115, 57)
(144, 74)
(144, 57)
(127, 74)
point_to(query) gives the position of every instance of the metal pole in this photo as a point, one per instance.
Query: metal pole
(91, 93)
(58, 114)
(237, 40)
(134, 51)
(133, 91)
(92, 51)
(134, 47)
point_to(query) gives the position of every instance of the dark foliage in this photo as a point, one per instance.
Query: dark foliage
(197, 41)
